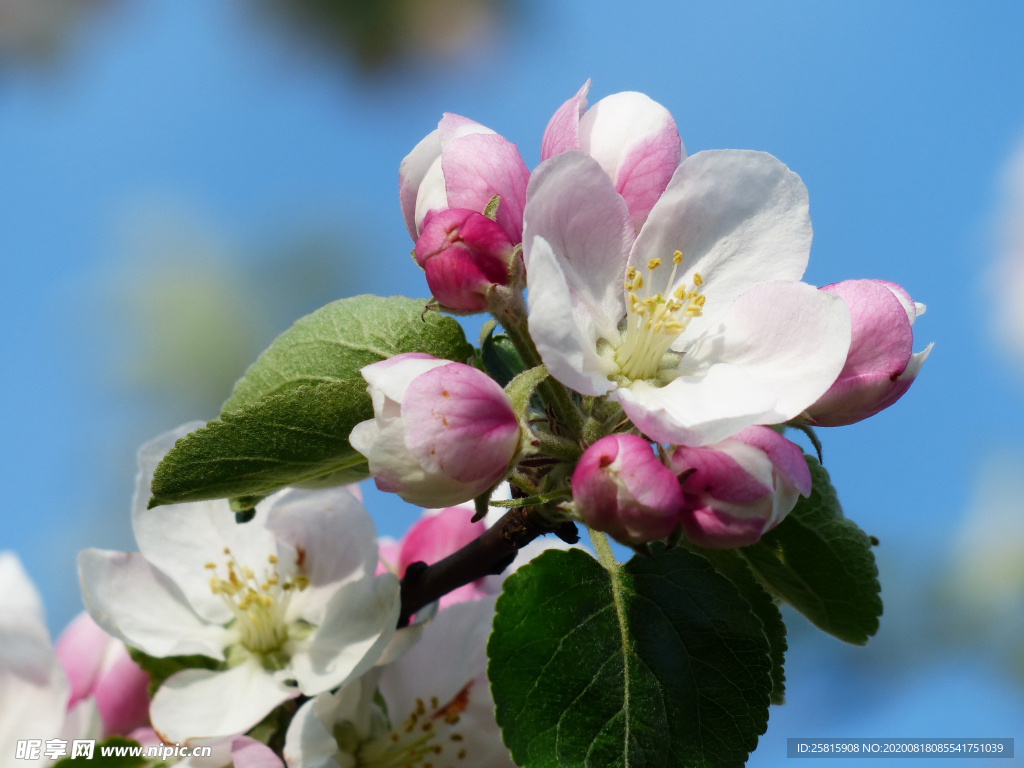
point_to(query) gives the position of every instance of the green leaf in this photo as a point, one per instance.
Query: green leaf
(159, 669)
(659, 662)
(288, 420)
(282, 440)
(99, 761)
(333, 343)
(731, 564)
(498, 357)
(821, 563)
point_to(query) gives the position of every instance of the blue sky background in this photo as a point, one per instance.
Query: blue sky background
(899, 118)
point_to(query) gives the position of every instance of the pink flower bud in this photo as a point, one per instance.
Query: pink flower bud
(99, 666)
(442, 432)
(880, 365)
(464, 255)
(739, 488)
(633, 138)
(620, 487)
(463, 165)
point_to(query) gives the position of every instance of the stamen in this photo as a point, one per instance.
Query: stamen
(654, 322)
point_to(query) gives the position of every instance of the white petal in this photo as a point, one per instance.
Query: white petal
(572, 204)
(389, 378)
(18, 595)
(309, 743)
(565, 339)
(135, 602)
(359, 621)
(180, 539)
(335, 537)
(777, 350)
(450, 660)
(432, 195)
(200, 704)
(31, 710)
(740, 218)
(410, 175)
(82, 721)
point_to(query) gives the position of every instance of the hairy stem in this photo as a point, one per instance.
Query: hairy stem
(513, 320)
(490, 553)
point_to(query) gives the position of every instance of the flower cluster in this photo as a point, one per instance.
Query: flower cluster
(643, 390)
(664, 295)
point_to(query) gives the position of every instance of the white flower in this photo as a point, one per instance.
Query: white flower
(439, 710)
(288, 601)
(34, 691)
(712, 332)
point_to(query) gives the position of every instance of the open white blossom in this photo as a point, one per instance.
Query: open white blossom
(288, 602)
(437, 708)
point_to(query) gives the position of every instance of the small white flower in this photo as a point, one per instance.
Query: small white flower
(439, 710)
(289, 601)
(34, 691)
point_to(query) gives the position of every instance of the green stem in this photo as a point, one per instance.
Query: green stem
(513, 320)
(541, 498)
(603, 550)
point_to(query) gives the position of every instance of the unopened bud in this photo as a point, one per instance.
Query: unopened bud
(621, 488)
(464, 254)
(735, 490)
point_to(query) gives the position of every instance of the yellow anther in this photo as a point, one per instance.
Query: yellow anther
(631, 273)
(301, 582)
(272, 559)
(638, 282)
(653, 264)
(227, 551)
(247, 572)
(677, 257)
(210, 566)
(697, 279)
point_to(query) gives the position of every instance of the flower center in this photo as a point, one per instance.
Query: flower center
(259, 605)
(426, 739)
(654, 322)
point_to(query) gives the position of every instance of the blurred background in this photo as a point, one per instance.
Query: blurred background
(180, 180)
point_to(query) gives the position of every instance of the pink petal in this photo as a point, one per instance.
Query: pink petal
(646, 169)
(563, 131)
(122, 696)
(717, 475)
(785, 456)
(433, 537)
(714, 529)
(81, 648)
(477, 167)
(246, 752)
(459, 422)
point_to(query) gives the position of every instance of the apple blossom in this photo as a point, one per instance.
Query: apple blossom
(442, 432)
(712, 331)
(439, 709)
(289, 601)
(34, 691)
(462, 164)
(737, 489)
(464, 255)
(620, 487)
(632, 137)
(881, 364)
(99, 666)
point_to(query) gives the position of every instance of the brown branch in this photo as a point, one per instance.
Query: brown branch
(491, 553)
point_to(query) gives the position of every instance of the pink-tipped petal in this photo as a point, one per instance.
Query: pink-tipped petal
(477, 167)
(563, 131)
(636, 142)
(411, 174)
(121, 694)
(460, 423)
(81, 649)
(876, 371)
(784, 454)
(714, 529)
